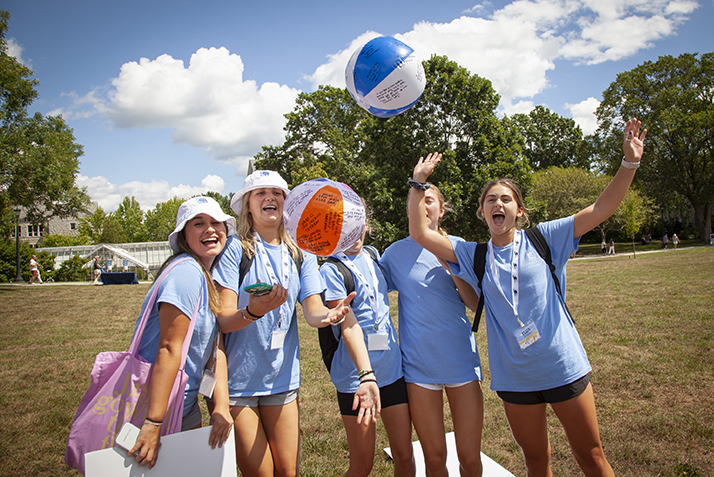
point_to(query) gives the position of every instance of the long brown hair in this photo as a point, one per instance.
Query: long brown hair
(523, 220)
(244, 231)
(214, 301)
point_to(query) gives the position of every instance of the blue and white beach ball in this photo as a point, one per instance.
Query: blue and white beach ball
(385, 77)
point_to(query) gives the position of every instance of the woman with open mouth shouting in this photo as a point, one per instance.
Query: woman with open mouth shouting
(186, 293)
(261, 328)
(535, 354)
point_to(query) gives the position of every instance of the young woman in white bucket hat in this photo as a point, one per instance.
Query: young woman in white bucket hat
(262, 339)
(200, 235)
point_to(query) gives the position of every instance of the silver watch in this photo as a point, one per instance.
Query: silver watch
(630, 165)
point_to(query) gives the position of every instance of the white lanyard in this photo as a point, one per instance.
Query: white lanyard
(371, 288)
(287, 268)
(514, 272)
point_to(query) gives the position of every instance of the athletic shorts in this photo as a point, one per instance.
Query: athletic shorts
(193, 419)
(440, 387)
(555, 395)
(390, 395)
(279, 399)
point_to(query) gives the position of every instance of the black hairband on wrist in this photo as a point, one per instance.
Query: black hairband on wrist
(253, 314)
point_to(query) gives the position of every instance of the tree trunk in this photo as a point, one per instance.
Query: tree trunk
(703, 219)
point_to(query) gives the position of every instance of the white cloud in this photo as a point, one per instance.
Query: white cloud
(15, 50)
(206, 105)
(517, 45)
(584, 114)
(333, 72)
(109, 195)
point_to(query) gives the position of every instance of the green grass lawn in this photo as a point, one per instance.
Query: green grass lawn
(647, 324)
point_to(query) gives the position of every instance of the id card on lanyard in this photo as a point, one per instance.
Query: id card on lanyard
(528, 333)
(278, 335)
(377, 340)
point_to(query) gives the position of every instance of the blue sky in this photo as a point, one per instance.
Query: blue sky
(172, 98)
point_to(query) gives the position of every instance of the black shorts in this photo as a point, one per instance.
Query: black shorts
(390, 395)
(555, 395)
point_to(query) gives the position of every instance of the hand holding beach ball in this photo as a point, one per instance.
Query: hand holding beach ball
(324, 217)
(385, 77)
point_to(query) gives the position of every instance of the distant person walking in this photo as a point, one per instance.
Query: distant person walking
(665, 242)
(675, 241)
(611, 250)
(34, 270)
(97, 270)
(603, 246)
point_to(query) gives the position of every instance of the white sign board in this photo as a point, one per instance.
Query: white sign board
(183, 453)
(490, 467)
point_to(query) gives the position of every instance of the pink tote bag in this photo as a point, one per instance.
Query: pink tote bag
(119, 393)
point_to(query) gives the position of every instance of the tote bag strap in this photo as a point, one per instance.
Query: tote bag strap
(136, 339)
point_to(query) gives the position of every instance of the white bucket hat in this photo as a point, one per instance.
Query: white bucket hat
(258, 180)
(195, 206)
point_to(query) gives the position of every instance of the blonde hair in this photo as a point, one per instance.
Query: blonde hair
(443, 204)
(524, 220)
(214, 300)
(244, 231)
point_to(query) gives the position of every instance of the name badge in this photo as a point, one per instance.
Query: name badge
(527, 335)
(208, 382)
(278, 339)
(377, 341)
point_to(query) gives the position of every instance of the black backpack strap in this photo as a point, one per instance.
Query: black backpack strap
(538, 240)
(479, 269)
(345, 272)
(371, 252)
(245, 263)
(326, 336)
(328, 341)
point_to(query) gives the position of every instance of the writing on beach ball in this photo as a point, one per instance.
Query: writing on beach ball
(324, 217)
(385, 77)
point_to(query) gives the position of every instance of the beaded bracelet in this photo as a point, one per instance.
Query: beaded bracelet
(365, 372)
(156, 424)
(367, 381)
(248, 318)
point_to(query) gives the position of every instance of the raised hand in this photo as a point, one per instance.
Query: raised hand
(633, 142)
(424, 167)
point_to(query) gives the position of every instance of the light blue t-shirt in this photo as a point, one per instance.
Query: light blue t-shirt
(254, 369)
(387, 364)
(182, 287)
(435, 337)
(558, 357)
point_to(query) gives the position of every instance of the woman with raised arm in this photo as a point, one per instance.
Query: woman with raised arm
(536, 357)
(261, 328)
(439, 353)
(198, 239)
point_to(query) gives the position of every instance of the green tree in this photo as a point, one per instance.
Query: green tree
(673, 97)
(8, 258)
(131, 219)
(72, 270)
(38, 155)
(161, 220)
(551, 140)
(563, 191)
(634, 212)
(112, 231)
(328, 135)
(92, 225)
